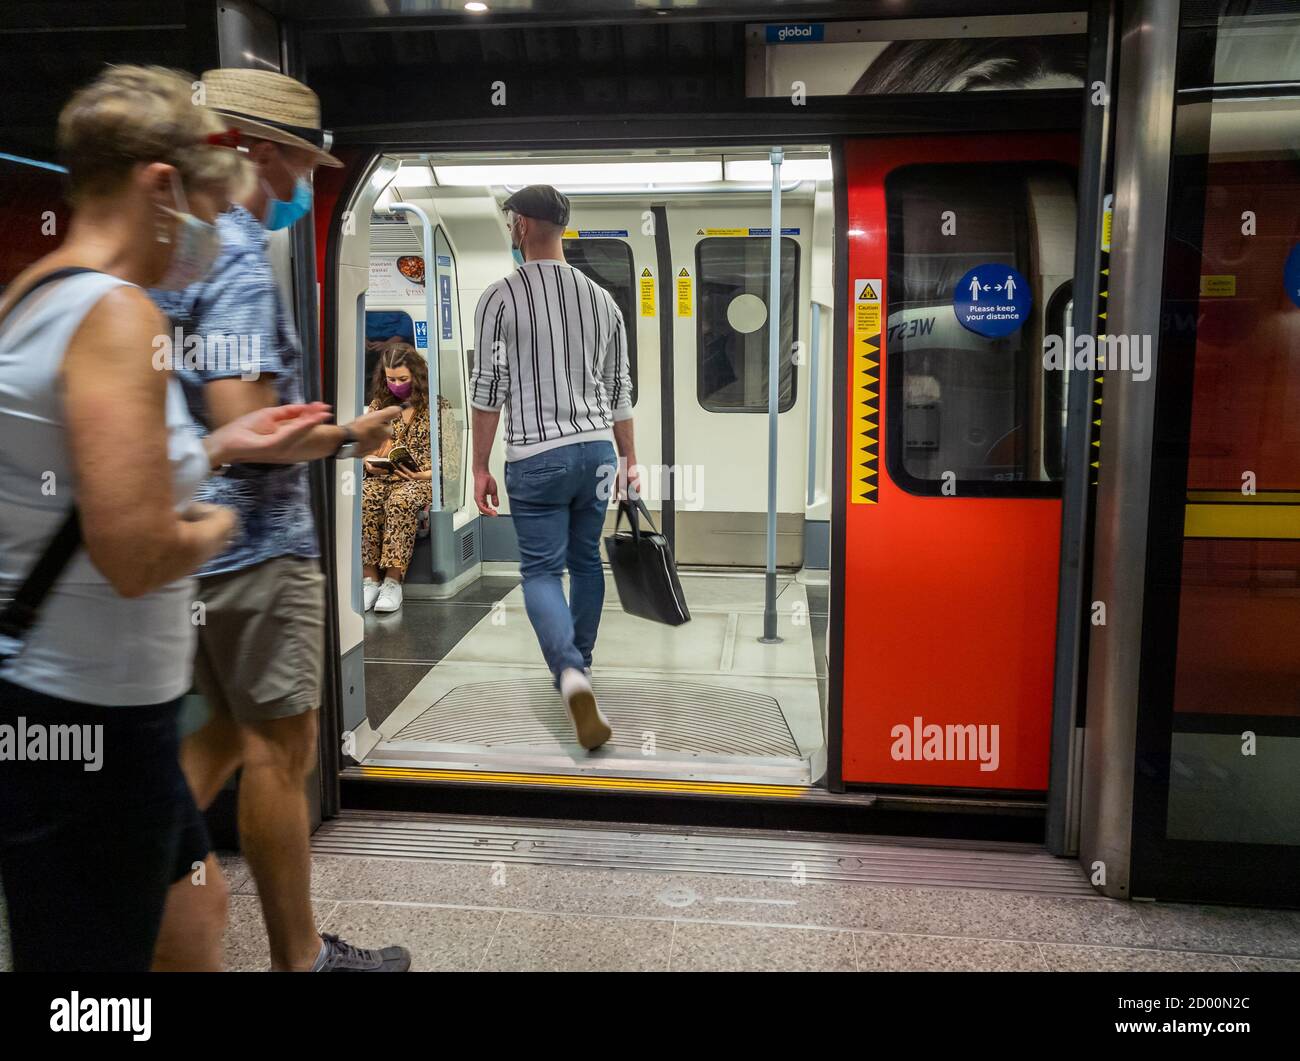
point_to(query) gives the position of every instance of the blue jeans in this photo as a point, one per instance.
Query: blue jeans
(558, 510)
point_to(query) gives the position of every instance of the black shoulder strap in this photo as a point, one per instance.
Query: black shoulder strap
(19, 615)
(51, 277)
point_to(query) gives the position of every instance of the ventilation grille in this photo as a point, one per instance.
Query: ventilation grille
(467, 547)
(389, 236)
(683, 717)
(879, 860)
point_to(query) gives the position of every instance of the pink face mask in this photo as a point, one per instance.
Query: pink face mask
(400, 390)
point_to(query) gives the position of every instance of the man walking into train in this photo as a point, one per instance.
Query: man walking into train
(552, 352)
(262, 627)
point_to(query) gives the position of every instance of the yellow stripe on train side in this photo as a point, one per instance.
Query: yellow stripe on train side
(1239, 520)
(622, 784)
(1236, 497)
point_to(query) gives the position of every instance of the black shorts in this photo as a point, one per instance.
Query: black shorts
(87, 856)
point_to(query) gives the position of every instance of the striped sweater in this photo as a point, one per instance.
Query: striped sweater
(551, 349)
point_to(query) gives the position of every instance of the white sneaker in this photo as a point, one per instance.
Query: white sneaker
(592, 727)
(369, 593)
(390, 596)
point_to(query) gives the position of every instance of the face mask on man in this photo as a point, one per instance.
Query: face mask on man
(515, 250)
(196, 244)
(282, 214)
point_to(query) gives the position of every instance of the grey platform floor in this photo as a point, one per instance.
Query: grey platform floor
(481, 916)
(505, 915)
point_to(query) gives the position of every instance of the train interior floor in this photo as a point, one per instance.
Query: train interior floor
(460, 684)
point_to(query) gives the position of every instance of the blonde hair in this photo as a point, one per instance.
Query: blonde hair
(133, 114)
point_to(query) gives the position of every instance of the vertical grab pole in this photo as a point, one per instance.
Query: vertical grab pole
(773, 379)
(430, 331)
(816, 328)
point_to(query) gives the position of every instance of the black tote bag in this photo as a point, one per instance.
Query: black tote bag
(644, 572)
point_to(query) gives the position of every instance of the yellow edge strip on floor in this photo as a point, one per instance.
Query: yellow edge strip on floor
(723, 788)
(1242, 521)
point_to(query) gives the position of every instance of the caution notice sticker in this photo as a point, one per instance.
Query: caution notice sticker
(684, 293)
(864, 420)
(647, 292)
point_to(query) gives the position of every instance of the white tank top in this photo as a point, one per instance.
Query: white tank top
(89, 643)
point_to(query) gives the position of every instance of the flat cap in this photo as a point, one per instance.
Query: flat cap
(542, 202)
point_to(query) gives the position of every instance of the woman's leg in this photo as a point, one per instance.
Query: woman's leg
(89, 843)
(374, 493)
(401, 519)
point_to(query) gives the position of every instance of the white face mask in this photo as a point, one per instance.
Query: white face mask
(197, 244)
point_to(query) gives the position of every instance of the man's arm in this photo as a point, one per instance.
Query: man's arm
(618, 385)
(229, 399)
(489, 387)
(485, 433)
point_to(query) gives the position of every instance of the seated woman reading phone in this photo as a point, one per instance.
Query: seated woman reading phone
(398, 477)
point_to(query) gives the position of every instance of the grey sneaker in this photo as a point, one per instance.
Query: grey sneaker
(342, 957)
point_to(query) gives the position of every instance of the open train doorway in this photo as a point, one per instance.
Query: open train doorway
(452, 684)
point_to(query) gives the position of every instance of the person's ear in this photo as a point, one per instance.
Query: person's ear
(155, 178)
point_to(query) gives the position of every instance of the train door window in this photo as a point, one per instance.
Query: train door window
(452, 416)
(383, 326)
(733, 276)
(981, 413)
(609, 263)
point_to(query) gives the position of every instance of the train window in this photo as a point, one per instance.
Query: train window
(609, 263)
(982, 414)
(384, 326)
(733, 275)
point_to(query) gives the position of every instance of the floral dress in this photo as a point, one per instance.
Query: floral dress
(391, 505)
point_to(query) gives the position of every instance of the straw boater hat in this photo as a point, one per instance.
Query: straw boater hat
(269, 106)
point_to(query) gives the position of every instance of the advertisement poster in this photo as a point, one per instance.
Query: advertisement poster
(1024, 51)
(396, 277)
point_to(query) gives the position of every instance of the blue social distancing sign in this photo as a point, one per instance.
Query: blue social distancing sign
(1291, 274)
(992, 300)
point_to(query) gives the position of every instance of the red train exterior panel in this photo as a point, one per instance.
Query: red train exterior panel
(950, 602)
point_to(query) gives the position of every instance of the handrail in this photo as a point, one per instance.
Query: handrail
(430, 331)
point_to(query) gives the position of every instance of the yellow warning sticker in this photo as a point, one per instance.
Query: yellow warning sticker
(1218, 286)
(647, 286)
(722, 232)
(864, 422)
(570, 233)
(684, 293)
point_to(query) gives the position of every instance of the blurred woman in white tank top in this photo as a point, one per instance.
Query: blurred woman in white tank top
(94, 831)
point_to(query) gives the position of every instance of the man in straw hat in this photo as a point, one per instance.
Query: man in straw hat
(261, 640)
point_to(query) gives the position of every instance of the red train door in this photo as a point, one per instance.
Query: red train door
(954, 451)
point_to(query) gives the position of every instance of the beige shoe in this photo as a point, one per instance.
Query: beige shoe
(592, 727)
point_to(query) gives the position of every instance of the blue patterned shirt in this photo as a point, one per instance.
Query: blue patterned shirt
(246, 333)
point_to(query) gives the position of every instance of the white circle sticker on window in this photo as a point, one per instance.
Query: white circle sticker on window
(747, 313)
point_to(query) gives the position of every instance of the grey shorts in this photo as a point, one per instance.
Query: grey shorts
(261, 642)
